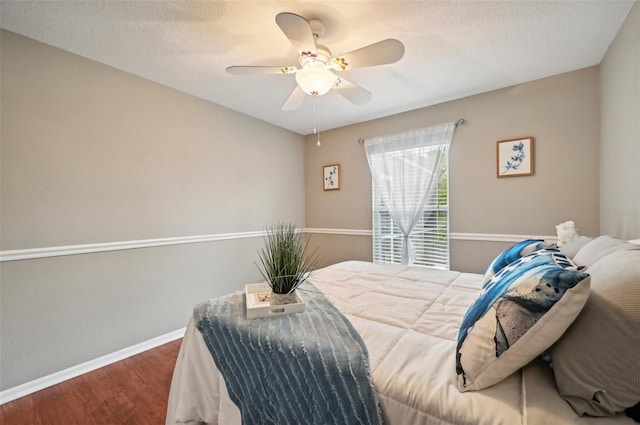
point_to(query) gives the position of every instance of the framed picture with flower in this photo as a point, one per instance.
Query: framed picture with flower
(514, 157)
(331, 177)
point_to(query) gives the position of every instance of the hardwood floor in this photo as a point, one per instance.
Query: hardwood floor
(133, 391)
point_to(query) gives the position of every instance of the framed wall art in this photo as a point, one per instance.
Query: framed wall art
(331, 177)
(514, 157)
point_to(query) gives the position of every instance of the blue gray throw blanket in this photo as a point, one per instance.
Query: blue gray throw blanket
(305, 368)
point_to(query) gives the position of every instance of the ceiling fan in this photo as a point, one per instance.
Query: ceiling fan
(316, 76)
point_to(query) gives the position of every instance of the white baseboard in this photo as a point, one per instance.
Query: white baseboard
(63, 375)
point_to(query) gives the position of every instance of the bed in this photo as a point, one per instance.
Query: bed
(410, 318)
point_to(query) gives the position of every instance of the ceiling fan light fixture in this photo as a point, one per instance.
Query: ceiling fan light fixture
(314, 79)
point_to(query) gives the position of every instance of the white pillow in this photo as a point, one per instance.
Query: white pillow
(572, 248)
(598, 248)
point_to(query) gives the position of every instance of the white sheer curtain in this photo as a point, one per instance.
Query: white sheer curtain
(404, 168)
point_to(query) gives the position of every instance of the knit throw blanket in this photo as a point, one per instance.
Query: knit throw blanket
(305, 368)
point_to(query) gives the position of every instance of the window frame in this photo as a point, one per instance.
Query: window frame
(430, 252)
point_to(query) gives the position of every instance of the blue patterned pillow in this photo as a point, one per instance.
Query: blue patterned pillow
(514, 252)
(521, 312)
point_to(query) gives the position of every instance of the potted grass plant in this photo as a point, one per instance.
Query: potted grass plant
(284, 262)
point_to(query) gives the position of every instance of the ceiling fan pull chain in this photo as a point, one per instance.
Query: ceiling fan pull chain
(316, 118)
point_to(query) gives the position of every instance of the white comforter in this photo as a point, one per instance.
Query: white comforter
(409, 318)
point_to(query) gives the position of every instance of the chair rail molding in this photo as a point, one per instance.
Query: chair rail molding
(58, 251)
(497, 237)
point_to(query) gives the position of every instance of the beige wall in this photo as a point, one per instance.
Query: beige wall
(620, 132)
(332, 249)
(560, 112)
(91, 155)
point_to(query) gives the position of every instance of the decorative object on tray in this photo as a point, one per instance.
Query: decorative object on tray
(331, 177)
(515, 157)
(285, 263)
(258, 296)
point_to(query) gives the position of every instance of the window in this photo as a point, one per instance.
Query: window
(430, 237)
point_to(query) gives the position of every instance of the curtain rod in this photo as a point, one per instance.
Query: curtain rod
(458, 123)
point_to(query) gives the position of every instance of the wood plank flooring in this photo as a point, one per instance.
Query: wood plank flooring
(133, 391)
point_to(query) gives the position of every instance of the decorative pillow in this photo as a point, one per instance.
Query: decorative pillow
(520, 313)
(597, 361)
(512, 253)
(598, 248)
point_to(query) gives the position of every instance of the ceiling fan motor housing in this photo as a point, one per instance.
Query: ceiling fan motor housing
(323, 54)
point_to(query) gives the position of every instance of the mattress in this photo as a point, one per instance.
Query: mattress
(408, 318)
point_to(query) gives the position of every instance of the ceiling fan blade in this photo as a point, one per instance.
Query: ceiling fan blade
(298, 31)
(260, 70)
(295, 99)
(380, 53)
(352, 92)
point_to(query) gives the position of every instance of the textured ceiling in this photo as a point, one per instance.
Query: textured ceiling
(453, 49)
